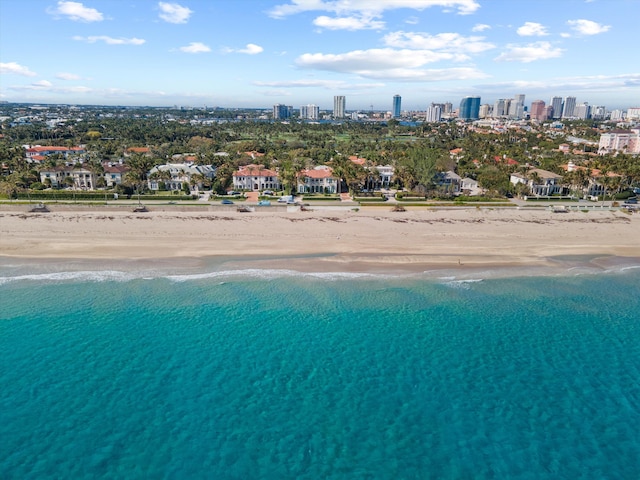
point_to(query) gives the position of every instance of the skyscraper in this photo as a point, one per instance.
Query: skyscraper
(538, 111)
(397, 99)
(556, 104)
(434, 113)
(516, 109)
(310, 112)
(569, 107)
(339, 104)
(281, 112)
(469, 108)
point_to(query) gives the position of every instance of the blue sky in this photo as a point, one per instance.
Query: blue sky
(256, 53)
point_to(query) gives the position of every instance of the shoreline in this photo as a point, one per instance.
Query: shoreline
(459, 242)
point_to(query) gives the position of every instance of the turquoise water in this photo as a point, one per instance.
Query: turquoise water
(108, 375)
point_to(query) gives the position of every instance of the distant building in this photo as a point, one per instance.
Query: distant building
(469, 108)
(538, 111)
(556, 104)
(627, 141)
(310, 112)
(516, 109)
(434, 113)
(397, 100)
(281, 112)
(339, 105)
(582, 111)
(500, 108)
(485, 110)
(568, 107)
(633, 113)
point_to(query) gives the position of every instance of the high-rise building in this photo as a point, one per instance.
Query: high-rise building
(434, 113)
(499, 108)
(516, 109)
(310, 112)
(568, 107)
(556, 104)
(469, 108)
(538, 111)
(598, 112)
(582, 111)
(447, 108)
(397, 100)
(281, 112)
(339, 104)
(485, 110)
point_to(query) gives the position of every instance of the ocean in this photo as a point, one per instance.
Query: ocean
(274, 374)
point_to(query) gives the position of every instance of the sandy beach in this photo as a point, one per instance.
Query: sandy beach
(345, 240)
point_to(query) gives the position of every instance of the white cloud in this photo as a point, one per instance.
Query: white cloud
(412, 20)
(594, 83)
(348, 23)
(174, 13)
(67, 76)
(532, 29)
(250, 49)
(587, 27)
(388, 63)
(370, 7)
(13, 68)
(452, 42)
(110, 40)
(328, 84)
(480, 27)
(42, 84)
(195, 47)
(76, 11)
(529, 53)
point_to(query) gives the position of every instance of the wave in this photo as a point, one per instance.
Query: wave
(459, 279)
(127, 276)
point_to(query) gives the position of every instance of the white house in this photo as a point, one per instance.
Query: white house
(175, 175)
(385, 173)
(469, 186)
(82, 178)
(114, 174)
(317, 180)
(256, 177)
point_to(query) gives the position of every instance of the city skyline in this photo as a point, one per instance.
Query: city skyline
(258, 53)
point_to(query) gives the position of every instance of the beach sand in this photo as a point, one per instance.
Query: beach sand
(344, 240)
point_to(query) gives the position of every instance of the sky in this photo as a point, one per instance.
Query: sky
(257, 53)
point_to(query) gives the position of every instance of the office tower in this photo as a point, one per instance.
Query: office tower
(339, 104)
(568, 107)
(310, 112)
(485, 110)
(397, 99)
(582, 111)
(499, 108)
(447, 108)
(281, 112)
(548, 112)
(598, 112)
(516, 108)
(618, 114)
(469, 108)
(556, 104)
(633, 113)
(538, 111)
(434, 113)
